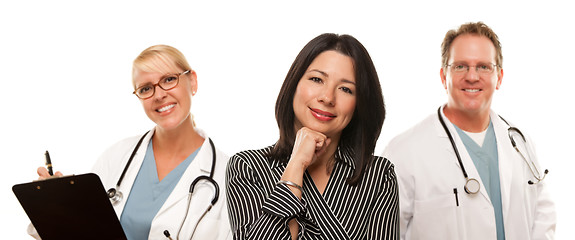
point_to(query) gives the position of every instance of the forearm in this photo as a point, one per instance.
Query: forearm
(258, 207)
(268, 220)
(294, 174)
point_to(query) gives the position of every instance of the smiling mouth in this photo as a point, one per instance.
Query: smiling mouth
(322, 115)
(472, 90)
(166, 108)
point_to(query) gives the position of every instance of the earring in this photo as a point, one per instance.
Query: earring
(193, 93)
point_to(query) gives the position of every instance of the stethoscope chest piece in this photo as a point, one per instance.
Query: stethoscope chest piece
(115, 196)
(472, 186)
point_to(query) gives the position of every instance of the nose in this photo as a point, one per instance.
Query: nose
(327, 96)
(159, 93)
(472, 74)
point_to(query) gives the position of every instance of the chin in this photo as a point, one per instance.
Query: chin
(169, 124)
(475, 106)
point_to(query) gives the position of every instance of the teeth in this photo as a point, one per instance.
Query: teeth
(324, 115)
(471, 90)
(166, 108)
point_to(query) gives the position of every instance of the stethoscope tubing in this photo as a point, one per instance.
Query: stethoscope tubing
(472, 185)
(534, 171)
(452, 143)
(130, 160)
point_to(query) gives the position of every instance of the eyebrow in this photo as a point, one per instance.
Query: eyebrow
(145, 84)
(319, 71)
(327, 75)
(466, 63)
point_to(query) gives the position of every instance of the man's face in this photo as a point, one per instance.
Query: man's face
(471, 91)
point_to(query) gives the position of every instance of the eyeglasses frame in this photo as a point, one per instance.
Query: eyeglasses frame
(158, 84)
(476, 69)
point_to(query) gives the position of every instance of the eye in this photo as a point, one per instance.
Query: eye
(484, 68)
(144, 89)
(459, 67)
(346, 90)
(169, 79)
(315, 79)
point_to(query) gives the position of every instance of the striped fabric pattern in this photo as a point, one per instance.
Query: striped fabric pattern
(261, 209)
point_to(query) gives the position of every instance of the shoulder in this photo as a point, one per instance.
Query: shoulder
(408, 142)
(110, 163)
(499, 121)
(408, 149)
(256, 154)
(253, 166)
(120, 148)
(382, 166)
(256, 158)
(424, 129)
(380, 176)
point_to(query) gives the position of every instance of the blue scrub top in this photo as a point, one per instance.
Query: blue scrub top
(148, 195)
(486, 162)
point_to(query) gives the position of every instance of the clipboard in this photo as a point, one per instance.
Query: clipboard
(71, 207)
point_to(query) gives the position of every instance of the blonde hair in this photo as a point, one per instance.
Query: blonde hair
(160, 58)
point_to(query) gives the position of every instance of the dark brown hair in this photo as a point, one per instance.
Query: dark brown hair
(359, 137)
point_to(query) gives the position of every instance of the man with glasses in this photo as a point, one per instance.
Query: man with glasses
(459, 175)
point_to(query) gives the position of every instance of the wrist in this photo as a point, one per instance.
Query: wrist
(290, 184)
(293, 172)
(297, 163)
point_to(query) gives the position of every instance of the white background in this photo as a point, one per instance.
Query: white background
(66, 86)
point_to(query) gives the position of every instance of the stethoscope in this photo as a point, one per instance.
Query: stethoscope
(116, 195)
(472, 185)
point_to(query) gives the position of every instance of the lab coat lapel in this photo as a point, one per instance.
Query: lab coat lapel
(505, 155)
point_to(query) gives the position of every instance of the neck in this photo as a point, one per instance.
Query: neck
(470, 122)
(180, 138)
(173, 146)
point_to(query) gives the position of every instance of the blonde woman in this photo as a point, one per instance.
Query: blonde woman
(150, 176)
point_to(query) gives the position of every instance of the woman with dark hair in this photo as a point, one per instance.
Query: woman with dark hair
(320, 180)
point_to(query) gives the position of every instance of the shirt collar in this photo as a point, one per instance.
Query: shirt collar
(345, 155)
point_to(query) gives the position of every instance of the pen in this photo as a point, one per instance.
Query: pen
(48, 163)
(456, 198)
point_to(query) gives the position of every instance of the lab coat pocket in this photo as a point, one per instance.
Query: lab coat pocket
(437, 218)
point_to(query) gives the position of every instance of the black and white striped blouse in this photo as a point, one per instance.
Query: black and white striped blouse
(261, 209)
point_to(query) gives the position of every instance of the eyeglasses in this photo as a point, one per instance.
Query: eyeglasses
(167, 82)
(482, 68)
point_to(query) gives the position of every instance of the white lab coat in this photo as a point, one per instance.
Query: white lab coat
(215, 225)
(428, 171)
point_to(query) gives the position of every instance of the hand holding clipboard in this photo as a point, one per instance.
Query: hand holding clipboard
(69, 207)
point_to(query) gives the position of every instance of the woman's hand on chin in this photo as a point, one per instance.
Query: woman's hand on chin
(308, 146)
